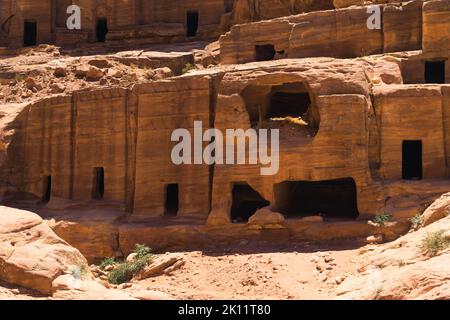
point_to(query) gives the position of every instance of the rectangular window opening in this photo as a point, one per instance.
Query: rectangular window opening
(102, 30)
(29, 33)
(192, 23)
(435, 71)
(47, 188)
(412, 166)
(98, 188)
(172, 200)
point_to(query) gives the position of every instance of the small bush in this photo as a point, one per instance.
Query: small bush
(124, 272)
(382, 219)
(188, 68)
(435, 242)
(416, 221)
(142, 251)
(107, 262)
(121, 274)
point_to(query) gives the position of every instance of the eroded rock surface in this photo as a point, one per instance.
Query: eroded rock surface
(31, 255)
(402, 270)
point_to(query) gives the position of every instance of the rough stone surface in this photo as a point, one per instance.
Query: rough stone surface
(437, 211)
(31, 255)
(265, 216)
(401, 270)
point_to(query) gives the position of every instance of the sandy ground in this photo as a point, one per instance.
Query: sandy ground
(245, 272)
(270, 275)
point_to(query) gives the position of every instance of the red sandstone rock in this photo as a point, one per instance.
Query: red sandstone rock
(438, 210)
(31, 255)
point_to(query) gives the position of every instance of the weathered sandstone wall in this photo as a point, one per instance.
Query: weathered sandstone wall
(402, 119)
(125, 132)
(343, 33)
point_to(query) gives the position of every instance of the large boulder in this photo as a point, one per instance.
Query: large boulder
(438, 210)
(31, 255)
(266, 218)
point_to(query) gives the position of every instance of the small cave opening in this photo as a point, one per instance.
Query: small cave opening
(412, 166)
(246, 201)
(288, 104)
(331, 199)
(102, 29)
(435, 71)
(191, 23)
(172, 200)
(264, 52)
(288, 107)
(29, 33)
(98, 185)
(47, 188)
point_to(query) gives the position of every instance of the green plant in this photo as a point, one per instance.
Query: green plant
(107, 262)
(435, 242)
(382, 219)
(142, 251)
(188, 67)
(417, 220)
(124, 272)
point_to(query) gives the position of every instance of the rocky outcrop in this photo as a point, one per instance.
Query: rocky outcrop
(402, 269)
(31, 255)
(438, 210)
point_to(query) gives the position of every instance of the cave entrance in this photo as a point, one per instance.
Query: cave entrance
(412, 167)
(102, 29)
(288, 104)
(434, 71)
(329, 199)
(172, 200)
(191, 23)
(47, 187)
(264, 52)
(98, 189)
(246, 201)
(288, 107)
(29, 33)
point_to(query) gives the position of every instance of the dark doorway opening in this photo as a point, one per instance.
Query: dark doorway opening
(98, 190)
(264, 52)
(29, 33)
(285, 104)
(412, 160)
(329, 199)
(102, 30)
(172, 200)
(435, 72)
(47, 189)
(246, 201)
(191, 23)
